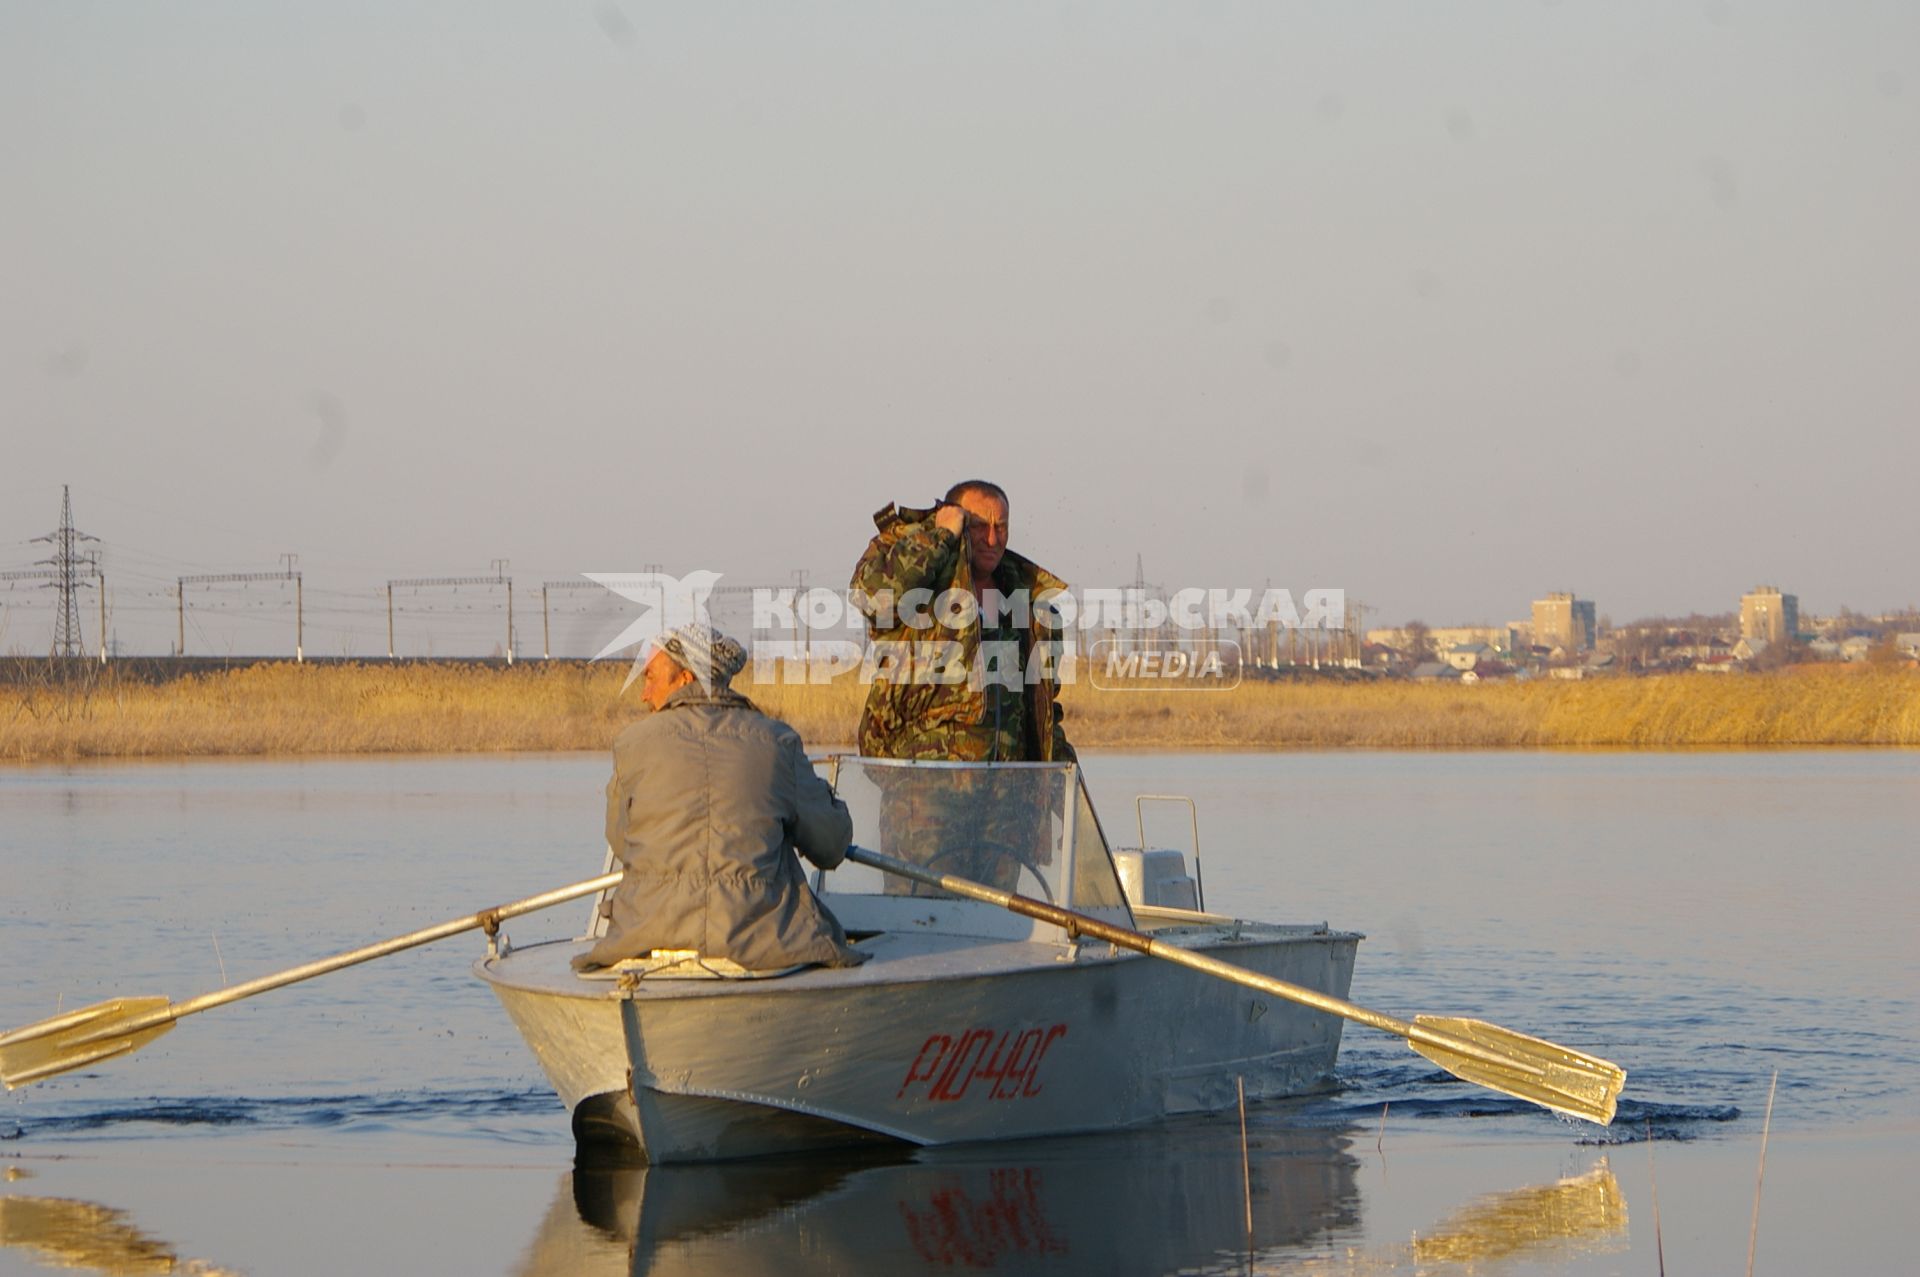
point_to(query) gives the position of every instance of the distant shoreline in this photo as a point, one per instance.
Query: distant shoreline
(283, 709)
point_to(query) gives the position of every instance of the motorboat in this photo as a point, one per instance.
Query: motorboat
(967, 1022)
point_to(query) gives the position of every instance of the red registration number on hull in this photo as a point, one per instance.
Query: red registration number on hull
(999, 1064)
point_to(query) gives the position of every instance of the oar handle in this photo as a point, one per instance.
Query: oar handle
(426, 935)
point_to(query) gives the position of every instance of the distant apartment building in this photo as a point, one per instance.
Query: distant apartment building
(1768, 614)
(1562, 621)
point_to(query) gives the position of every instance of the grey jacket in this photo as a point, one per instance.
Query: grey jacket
(708, 802)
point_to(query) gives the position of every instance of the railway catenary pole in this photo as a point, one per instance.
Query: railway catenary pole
(44, 575)
(500, 569)
(292, 562)
(546, 624)
(235, 578)
(806, 623)
(420, 582)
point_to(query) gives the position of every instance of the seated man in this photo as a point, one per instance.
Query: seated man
(708, 802)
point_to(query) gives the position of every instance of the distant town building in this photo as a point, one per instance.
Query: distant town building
(1434, 672)
(1500, 638)
(1768, 614)
(1465, 656)
(1562, 621)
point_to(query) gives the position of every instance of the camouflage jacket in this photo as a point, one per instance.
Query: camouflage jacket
(927, 699)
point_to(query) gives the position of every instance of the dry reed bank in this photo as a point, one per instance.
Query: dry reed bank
(376, 708)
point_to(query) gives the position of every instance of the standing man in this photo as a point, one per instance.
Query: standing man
(968, 684)
(920, 705)
(709, 801)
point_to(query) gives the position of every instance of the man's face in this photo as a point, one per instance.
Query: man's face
(662, 677)
(986, 530)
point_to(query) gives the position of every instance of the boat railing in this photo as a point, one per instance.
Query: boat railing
(1145, 868)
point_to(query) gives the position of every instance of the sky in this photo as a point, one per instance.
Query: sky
(1447, 306)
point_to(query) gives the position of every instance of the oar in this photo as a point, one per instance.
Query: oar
(107, 1029)
(1557, 1077)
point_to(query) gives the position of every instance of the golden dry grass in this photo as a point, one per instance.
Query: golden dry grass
(1807, 706)
(359, 709)
(377, 708)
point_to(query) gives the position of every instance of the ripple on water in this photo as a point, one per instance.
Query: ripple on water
(372, 1112)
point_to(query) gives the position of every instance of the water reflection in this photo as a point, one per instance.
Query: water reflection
(1163, 1201)
(1578, 1217)
(1584, 1214)
(59, 1232)
(1154, 1201)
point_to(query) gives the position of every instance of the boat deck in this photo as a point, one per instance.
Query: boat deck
(914, 955)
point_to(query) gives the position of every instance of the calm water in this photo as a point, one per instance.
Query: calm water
(1704, 919)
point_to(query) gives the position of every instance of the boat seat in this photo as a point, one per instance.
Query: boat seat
(685, 964)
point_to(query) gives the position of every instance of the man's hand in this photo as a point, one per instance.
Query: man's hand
(951, 517)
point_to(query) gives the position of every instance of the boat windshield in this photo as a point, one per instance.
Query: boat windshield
(1023, 827)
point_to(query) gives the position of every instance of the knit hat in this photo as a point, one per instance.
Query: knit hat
(709, 655)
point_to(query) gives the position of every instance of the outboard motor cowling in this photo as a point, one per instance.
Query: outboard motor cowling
(1155, 878)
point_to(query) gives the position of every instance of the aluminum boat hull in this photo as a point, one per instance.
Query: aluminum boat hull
(940, 1038)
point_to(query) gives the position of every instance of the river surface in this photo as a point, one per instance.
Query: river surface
(1707, 920)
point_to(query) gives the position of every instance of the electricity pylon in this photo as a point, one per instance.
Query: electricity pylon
(68, 565)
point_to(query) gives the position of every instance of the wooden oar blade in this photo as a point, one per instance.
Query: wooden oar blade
(78, 1038)
(1533, 1069)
